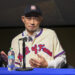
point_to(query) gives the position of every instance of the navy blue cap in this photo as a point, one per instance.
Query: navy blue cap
(32, 10)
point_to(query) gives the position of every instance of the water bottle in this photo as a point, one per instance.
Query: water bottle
(11, 60)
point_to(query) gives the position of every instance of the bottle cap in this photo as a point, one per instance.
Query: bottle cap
(11, 48)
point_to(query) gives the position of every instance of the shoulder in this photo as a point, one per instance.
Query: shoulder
(16, 38)
(49, 31)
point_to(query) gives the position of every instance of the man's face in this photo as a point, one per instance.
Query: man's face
(31, 23)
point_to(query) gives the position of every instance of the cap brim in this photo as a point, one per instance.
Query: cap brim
(33, 13)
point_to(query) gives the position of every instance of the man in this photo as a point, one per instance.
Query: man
(42, 46)
(3, 58)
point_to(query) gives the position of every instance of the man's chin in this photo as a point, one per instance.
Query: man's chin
(31, 30)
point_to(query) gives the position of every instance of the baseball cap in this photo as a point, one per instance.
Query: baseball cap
(32, 10)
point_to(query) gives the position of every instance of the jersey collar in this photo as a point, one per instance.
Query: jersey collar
(36, 34)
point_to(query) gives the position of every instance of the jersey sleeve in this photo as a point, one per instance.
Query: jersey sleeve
(57, 48)
(59, 57)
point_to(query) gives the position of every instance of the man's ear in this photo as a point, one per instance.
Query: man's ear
(22, 18)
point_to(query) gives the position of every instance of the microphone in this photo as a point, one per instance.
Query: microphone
(24, 39)
(24, 56)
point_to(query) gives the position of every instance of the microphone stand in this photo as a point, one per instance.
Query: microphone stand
(24, 58)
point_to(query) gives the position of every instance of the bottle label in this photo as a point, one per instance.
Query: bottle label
(11, 57)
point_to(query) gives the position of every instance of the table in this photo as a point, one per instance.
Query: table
(38, 71)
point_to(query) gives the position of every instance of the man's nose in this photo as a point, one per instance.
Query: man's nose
(32, 21)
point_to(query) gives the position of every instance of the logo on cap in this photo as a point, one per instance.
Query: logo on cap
(33, 7)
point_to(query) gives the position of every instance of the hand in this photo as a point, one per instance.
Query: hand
(38, 63)
(4, 56)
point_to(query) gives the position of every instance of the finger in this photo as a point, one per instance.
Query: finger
(39, 56)
(35, 60)
(32, 63)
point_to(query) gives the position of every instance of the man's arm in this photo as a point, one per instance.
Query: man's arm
(58, 62)
(4, 56)
(58, 54)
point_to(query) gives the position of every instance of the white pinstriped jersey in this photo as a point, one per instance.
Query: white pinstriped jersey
(44, 43)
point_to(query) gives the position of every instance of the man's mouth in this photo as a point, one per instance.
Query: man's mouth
(31, 26)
